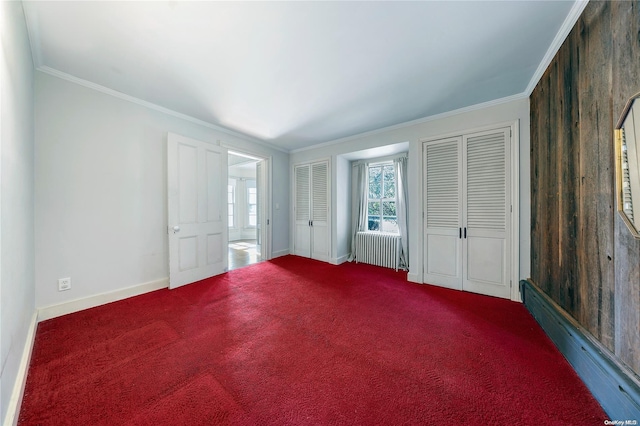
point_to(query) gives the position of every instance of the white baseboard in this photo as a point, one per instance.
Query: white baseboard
(279, 253)
(414, 278)
(339, 260)
(13, 410)
(53, 311)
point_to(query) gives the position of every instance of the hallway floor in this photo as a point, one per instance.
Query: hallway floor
(243, 253)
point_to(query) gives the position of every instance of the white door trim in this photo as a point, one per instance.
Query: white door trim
(515, 211)
(267, 249)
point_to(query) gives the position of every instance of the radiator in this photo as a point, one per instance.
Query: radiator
(378, 249)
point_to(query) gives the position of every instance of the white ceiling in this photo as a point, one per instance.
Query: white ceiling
(295, 74)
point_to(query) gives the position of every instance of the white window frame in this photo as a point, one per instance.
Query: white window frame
(382, 199)
(232, 183)
(248, 214)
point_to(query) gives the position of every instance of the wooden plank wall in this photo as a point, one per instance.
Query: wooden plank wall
(582, 255)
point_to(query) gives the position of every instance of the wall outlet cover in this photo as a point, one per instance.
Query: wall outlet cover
(64, 284)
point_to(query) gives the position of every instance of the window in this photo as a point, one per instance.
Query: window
(231, 201)
(252, 203)
(381, 206)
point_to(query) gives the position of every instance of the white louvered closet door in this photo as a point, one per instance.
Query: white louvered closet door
(320, 211)
(442, 209)
(311, 207)
(302, 207)
(486, 208)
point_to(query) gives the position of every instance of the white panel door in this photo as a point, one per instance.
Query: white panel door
(197, 216)
(263, 224)
(320, 211)
(260, 214)
(442, 209)
(302, 211)
(486, 206)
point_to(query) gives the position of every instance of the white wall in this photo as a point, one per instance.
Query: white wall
(100, 194)
(412, 133)
(16, 197)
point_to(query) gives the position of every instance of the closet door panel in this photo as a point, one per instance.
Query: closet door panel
(320, 211)
(443, 258)
(442, 212)
(486, 205)
(487, 259)
(302, 207)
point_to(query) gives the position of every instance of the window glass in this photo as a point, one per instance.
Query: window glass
(375, 182)
(381, 206)
(231, 200)
(252, 206)
(389, 182)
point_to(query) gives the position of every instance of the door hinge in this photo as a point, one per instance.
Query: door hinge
(511, 208)
(510, 283)
(267, 221)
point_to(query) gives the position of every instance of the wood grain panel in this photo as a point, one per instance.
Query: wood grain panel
(580, 255)
(626, 83)
(596, 164)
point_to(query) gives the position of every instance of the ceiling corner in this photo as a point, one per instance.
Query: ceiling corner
(33, 31)
(561, 35)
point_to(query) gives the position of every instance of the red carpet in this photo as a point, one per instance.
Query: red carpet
(299, 342)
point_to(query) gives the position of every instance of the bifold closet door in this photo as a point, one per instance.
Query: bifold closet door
(442, 209)
(467, 205)
(320, 211)
(302, 206)
(312, 210)
(487, 205)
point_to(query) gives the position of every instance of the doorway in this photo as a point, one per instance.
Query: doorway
(246, 210)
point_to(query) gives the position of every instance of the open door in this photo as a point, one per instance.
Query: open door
(263, 223)
(197, 188)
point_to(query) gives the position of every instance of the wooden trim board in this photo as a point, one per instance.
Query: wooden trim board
(615, 386)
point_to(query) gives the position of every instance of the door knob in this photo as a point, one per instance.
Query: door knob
(176, 229)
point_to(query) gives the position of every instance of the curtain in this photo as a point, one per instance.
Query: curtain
(402, 196)
(359, 207)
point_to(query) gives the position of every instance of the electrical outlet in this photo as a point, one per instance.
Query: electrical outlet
(64, 284)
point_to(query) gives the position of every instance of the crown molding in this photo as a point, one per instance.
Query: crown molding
(440, 116)
(97, 87)
(566, 27)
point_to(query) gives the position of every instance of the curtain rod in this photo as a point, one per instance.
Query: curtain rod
(383, 159)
